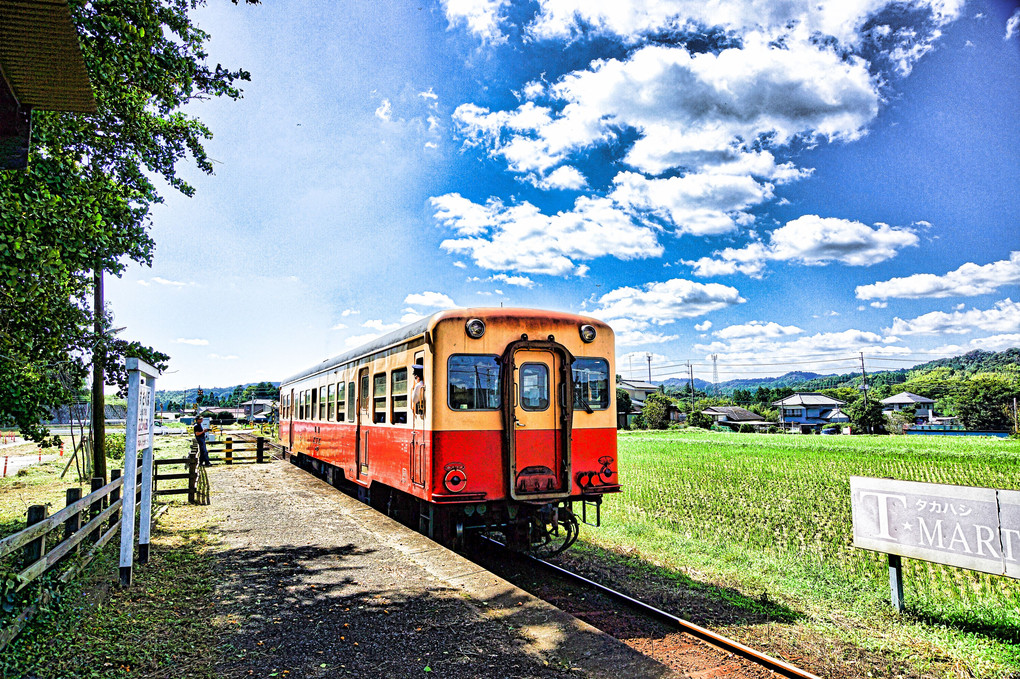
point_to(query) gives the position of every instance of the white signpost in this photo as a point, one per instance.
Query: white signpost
(964, 526)
(141, 409)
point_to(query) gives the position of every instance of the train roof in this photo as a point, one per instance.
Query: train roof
(419, 327)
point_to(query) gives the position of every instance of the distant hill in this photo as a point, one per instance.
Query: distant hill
(188, 395)
(726, 388)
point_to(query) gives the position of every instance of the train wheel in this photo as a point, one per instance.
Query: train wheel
(549, 539)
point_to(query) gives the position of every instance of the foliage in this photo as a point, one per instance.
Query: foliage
(84, 202)
(656, 411)
(984, 400)
(746, 428)
(115, 445)
(866, 417)
(623, 403)
(700, 419)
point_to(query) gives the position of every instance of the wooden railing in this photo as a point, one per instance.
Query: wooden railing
(235, 449)
(100, 511)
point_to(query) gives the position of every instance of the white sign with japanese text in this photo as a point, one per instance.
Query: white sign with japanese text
(974, 528)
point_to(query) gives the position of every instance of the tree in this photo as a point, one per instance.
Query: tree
(623, 402)
(985, 399)
(656, 411)
(83, 204)
(700, 419)
(742, 397)
(763, 395)
(866, 418)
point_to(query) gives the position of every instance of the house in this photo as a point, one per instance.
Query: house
(805, 412)
(638, 392)
(924, 408)
(734, 416)
(257, 407)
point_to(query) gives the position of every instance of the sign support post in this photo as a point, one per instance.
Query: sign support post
(138, 430)
(896, 581)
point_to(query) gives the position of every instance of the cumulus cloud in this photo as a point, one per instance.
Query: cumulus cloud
(522, 239)
(1003, 317)
(196, 342)
(164, 281)
(967, 281)
(990, 343)
(385, 110)
(519, 281)
(339, 326)
(633, 311)
(481, 17)
(757, 329)
(358, 340)
(702, 327)
(377, 324)
(349, 312)
(813, 241)
(430, 299)
(1012, 25)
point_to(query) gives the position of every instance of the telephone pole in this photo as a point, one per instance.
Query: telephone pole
(649, 357)
(98, 379)
(715, 375)
(864, 388)
(690, 369)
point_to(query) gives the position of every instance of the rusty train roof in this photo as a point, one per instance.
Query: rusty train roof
(420, 326)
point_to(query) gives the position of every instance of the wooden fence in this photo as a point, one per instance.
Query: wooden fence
(100, 511)
(72, 537)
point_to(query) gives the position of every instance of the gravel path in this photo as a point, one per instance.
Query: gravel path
(313, 584)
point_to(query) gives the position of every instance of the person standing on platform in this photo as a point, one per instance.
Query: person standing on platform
(203, 453)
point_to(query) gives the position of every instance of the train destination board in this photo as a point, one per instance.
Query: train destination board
(974, 528)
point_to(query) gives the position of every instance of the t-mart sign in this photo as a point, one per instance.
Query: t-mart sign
(974, 528)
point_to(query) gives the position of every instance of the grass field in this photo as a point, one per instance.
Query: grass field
(772, 512)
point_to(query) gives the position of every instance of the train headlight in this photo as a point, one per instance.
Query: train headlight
(588, 334)
(475, 328)
(455, 480)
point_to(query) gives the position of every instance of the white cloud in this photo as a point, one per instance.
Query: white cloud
(1012, 25)
(410, 316)
(431, 145)
(480, 17)
(1003, 317)
(358, 340)
(878, 305)
(143, 282)
(349, 312)
(338, 326)
(164, 281)
(990, 343)
(460, 265)
(968, 280)
(565, 177)
(385, 110)
(702, 327)
(196, 342)
(377, 324)
(757, 329)
(520, 238)
(633, 311)
(813, 241)
(430, 299)
(519, 281)
(634, 365)
(429, 95)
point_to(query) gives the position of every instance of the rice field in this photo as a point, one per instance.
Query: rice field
(782, 503)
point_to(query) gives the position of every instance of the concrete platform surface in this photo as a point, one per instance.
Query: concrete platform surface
(316, 584)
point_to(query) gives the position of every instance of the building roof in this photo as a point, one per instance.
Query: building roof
(638, 385)
(808, 398)
(733, 413)
(836, 415)
(905, 397)
(40, 56)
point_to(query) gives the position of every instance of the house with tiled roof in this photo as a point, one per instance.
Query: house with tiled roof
(924, 408)
(805, 412)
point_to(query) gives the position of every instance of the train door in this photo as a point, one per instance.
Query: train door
(364, 419)
(418, 439)
(538, 442)
(290, 421)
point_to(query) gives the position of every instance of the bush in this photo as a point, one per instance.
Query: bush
(700, 419)
(746, 429)
(115, 446)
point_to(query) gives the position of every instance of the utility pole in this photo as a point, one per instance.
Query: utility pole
(690, 369)
(98, 379)
(715, 374)
(649, 357)
(864, 387)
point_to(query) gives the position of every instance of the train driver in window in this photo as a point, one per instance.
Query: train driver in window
(418, 390)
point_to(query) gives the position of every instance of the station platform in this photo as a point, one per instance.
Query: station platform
(316, 584)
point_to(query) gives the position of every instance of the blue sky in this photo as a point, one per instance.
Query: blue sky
(782, 185)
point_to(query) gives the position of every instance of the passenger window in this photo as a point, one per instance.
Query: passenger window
(398, 396)
(313, 415)
(330, 398)
(591, 383)
(340, 402)
(473, 382)
(352, 400)
(379, 398)
(534, 386)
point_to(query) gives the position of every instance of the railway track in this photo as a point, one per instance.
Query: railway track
(774, 665)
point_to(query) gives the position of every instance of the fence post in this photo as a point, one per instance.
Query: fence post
(96, 508)
(114, 496)
(73, 522)
(35, 549)
(260, 449)
(192, 477)
(228, 452)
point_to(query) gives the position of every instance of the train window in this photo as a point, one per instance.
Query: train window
(330, 402)
(398, 396)
(352, 405)
(591, 383)
(340, 402)
(473, 382)
(307, 405)
(379, 398)
(534, 386)
(317, 404)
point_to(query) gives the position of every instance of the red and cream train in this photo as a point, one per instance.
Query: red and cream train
(517, 423)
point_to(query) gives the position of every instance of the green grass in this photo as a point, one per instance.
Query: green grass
(771, 513)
